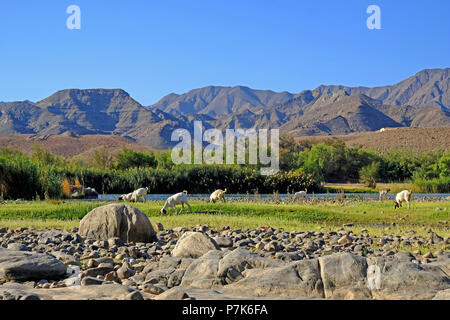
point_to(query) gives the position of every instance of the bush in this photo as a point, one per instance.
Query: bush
(368, 175)
(19, 178)
(439, 185)
(128, 158)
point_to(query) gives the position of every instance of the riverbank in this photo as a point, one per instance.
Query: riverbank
(376, 216)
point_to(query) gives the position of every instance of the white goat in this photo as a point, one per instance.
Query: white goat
(218, 195)
(140, 194)
(300, 194)
(402, 196)
(383, 193)
(126, 197)
(178, 198)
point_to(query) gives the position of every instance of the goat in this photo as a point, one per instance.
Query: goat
(140, 193)
(300, 194)
(383, 193)
(218, 195)
(126, 197)
(402, 196)
(178, 198)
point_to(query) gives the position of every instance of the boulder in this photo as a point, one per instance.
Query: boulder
(90, 292)
(117, 220)
(194, 245)
(344, 276)
(235, 262)
(224, 242)
(202, 272)
(406, 280)
(22, 265)
(160, 276)
(299, 279)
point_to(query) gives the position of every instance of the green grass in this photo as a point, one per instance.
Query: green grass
(375, 216)
(349, 188)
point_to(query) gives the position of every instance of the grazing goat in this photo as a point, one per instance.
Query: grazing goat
(136, 195)
(405, 195)
(300, 194)
(178, 198)
(218, 195)
(383, 193)
(140, 194)
(126, 197)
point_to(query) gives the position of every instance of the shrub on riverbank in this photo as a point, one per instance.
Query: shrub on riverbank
(22, 178)
(439, 185)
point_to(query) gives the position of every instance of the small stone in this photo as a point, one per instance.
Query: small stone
(87, 281)
(151, 288)
(135, 295)
(125, 273)
(310, 246)
(92, 263)
(345, 240)
(112, 276)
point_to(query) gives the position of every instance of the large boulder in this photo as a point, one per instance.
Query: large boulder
(106, 291)
(344, 276)
(407, 280)
(234, 263)
(117, 220)
(194, 245)
(295, 279)
(22, 266)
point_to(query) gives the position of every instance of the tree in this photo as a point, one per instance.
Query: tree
(44, 157)
(128, 158)
(444, 166)
(102, 159)
(370, 174)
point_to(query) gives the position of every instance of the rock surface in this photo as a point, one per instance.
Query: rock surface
(186, 263)
(117, 220)
(194, 245)
(20, 265)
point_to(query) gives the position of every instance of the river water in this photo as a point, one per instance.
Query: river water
(251, 197)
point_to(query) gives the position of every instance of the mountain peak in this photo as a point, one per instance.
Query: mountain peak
(420, 100)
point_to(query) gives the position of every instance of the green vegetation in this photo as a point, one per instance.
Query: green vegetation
(372, 215)
(333, 161)
(309, 165)
(46, 176)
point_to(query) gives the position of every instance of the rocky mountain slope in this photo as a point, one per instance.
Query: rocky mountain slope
(422, 100)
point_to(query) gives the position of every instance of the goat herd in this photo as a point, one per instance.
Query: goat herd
(219, 195)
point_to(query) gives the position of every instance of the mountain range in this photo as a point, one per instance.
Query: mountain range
(422, 100)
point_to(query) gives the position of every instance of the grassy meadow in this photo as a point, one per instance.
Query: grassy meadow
(378, 217)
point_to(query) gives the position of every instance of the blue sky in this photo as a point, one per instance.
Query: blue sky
(151, 48)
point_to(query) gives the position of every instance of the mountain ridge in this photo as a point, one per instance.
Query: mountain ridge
(422, 100)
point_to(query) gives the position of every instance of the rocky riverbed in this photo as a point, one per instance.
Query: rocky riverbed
(200, 263)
